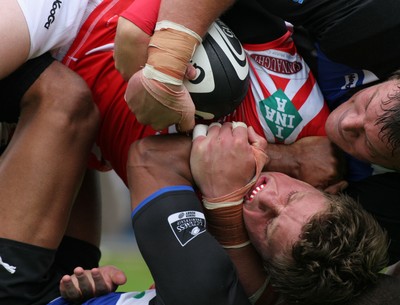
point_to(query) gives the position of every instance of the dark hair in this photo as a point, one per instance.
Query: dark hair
(340, 252)
(390, 120)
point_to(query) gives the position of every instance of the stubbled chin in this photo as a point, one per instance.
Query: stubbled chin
(329, 127)
(331, 132)
(249, 207)
(250, 215)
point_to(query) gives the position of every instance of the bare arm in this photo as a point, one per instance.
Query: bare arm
(252, 275)
(222, 162)
(156, 162)
(197, 16)
(130, 52)
(156, 94)
(314, 160)
(163, 161)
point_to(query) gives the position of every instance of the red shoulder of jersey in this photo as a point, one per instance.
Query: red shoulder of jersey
(144, 14)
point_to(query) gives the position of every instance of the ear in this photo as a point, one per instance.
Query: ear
(337, 187)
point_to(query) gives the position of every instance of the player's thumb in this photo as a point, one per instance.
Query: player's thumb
(191, 72)
(187, 111)
(256, 140)
(259, 145)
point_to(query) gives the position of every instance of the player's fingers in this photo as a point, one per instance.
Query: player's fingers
(84, 283)
(68, 290)
(214, 129)
(225, 129)
(238, 124)
(100, 286)
(119, 278)
(239, 129)
(200, 130)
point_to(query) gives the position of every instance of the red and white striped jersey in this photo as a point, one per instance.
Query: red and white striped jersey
(284, 102)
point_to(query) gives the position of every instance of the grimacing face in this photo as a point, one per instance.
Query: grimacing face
(276, 209)
(352, 126)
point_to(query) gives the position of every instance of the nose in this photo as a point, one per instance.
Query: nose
(352, 124)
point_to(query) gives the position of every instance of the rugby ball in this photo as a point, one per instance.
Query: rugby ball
(222, 77)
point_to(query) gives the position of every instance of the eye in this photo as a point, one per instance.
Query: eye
(290, 196)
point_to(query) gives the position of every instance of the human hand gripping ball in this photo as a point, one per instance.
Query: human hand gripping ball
(169, 90)
(226, 160)
(156, 93)
(158, 105)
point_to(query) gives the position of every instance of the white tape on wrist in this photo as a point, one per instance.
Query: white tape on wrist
(151, 73)
(237, 246)
(256, 295)
(166, 24)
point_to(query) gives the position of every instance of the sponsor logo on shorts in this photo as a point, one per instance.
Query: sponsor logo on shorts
(280, 115)
(8, 267)
(50, 19)
(187, 225)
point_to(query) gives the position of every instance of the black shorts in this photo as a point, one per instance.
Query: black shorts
(14, 86)
(31, 274)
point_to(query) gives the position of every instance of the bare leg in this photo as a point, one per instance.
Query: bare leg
(46, 159)
(14, 41)
(85, 220)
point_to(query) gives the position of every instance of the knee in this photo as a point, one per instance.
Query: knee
(64, 99)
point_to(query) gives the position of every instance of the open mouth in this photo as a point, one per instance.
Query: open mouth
(260, 184)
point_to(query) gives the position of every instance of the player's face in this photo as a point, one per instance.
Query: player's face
(280, 207)
(352, 126)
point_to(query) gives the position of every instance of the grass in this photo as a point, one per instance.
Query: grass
(132, 263)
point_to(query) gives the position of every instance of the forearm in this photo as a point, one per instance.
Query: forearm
(283, 158)
(249, 267)
(197, 16)
(253, 276)
(173, 221)
(135, 27)
(130, 53)
(156, 162)
(314, 160)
